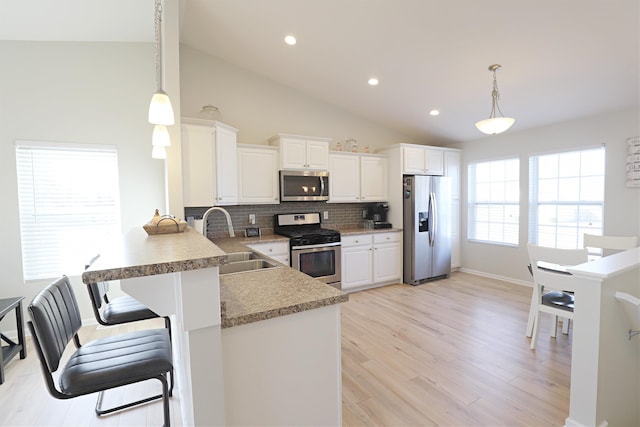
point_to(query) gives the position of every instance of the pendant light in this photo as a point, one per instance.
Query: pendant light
(160, 109)
(495, 125)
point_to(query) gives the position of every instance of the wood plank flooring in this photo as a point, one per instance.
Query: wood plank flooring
(451, 353)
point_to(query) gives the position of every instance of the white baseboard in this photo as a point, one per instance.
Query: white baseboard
(569, 422)
(497, 277)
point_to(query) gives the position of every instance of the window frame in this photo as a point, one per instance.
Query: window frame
(68, 205)
(473, 203)
(534, 202)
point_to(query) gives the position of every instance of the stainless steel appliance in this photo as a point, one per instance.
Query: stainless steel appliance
(427, 228)
(314, 250)
(377, 216)
(304, 186)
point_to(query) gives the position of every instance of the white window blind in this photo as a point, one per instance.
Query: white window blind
(69, 205)
(494, 201)
(566, 197)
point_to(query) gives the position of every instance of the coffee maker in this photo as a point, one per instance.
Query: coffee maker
(377, 216)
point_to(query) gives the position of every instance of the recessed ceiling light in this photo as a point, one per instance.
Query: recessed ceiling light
(373, 81)
(434, 112)
(290, 40)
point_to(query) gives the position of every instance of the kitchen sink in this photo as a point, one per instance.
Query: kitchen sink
(246, 265)
(242, 256)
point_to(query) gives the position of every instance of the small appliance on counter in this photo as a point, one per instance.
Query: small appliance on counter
(377, 216)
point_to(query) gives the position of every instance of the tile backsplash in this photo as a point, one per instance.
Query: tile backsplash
(340, 214)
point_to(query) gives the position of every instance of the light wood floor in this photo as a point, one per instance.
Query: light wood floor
(449, 353)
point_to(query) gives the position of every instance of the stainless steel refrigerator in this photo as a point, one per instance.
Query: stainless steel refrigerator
(427, 228)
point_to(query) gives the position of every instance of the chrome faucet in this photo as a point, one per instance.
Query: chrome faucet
(226, 214)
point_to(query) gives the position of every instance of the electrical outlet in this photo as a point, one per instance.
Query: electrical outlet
(252, 218)
(364, 213)
(325, 215)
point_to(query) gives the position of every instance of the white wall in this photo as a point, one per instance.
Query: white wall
(622, 204)
(96, 93)
(260, 108)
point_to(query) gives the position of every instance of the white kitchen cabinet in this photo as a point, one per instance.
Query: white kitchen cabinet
(209, 166)
(452, 170)
(302, 152)
(257, 175)
(276, 250)
(387, 257)
(357, 178)
(370, 260)
(357, 261)
(419, 160)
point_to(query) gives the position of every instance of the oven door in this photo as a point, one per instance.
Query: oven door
(321, 262)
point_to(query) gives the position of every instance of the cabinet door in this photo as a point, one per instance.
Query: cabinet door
(317, 155)
(387, 262)
(257, 176)
(197, 166)
(373, 179)
(413, 160)
(226, 166)
(434, 162)
(293, 153)
(344, 178)
(356, 266)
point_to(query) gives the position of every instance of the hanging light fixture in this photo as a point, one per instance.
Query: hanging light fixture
(160, 109)
(494, 125)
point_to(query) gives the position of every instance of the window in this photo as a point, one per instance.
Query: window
(69, 205)
(494, 201)
(567, 197)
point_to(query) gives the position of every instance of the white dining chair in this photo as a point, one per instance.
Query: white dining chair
(614, 243)
(550, 281)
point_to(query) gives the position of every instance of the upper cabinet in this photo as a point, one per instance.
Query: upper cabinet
(420, 160)
(357, 178)
(257, 175)
(209, 163)
(302, 152)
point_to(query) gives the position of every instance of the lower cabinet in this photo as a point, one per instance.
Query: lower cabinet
(370, 260)
(276, 250)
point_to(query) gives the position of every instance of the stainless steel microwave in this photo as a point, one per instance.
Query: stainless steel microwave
(304, 186)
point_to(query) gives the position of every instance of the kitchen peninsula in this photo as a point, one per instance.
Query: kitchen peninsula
(242, 364)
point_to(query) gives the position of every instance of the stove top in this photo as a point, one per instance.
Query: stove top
(304, 229)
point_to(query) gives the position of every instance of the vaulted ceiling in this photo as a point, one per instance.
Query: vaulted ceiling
(560, 59)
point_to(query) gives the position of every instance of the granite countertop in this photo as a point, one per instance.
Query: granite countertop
(264, 294)
(138, 254)
(352, 230)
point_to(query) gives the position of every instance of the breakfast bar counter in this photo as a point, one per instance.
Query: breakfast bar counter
(256, 347)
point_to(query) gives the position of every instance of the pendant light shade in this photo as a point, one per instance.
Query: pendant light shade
(160, 109)
(158, 152)
(160, 137)
(495, 124)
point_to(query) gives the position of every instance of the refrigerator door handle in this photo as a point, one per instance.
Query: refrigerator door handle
(432, 218)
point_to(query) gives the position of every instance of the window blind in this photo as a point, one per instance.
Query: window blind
(566, 197)
(494, 201)
(69, 205)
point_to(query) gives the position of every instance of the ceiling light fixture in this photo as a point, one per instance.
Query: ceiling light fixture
(495, 125)
(160, 109)
(373, 81)
(290, 40)
(434, 113)
(210, 112)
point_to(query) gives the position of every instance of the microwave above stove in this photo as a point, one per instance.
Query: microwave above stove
(304, 186)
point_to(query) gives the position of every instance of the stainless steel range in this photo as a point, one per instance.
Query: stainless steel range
(314, 250)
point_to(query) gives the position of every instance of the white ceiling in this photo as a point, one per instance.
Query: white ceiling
(562, 59)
